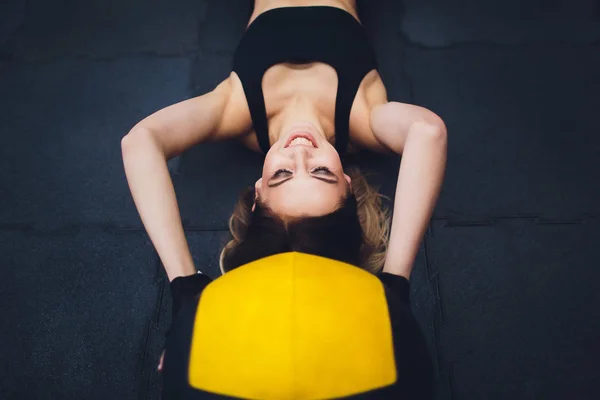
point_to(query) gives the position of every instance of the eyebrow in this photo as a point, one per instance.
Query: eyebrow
(329, 181)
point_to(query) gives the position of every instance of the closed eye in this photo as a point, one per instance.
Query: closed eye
(280, 173)
(323, 174)
(323, 171)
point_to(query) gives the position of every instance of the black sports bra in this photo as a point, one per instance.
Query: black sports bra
(302, 35)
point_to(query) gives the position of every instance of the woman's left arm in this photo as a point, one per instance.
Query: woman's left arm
(420, 136)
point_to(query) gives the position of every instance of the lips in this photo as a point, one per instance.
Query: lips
(304, 135)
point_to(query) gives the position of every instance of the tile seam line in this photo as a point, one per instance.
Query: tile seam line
(109, 228)
(479, 44)
(146, 367)
(69, 229)
(90, 57)
(481, 218)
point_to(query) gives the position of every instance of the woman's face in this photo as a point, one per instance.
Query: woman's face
(302, 175)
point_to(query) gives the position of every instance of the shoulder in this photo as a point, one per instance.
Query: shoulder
(371, 93)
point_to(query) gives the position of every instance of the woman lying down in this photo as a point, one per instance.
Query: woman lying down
(313, 302)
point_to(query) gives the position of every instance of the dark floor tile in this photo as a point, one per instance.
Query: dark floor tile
(520, 309)
(12, 15)
(210, 69)
(423, 297)
(523, 136)
(108, 28)
(62, 124)
(224, 26)
(445, 23)
(75, 311)
(381, 20)
(426, 309)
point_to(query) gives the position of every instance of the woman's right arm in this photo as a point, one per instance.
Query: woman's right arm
(421, 137)
(146, 150)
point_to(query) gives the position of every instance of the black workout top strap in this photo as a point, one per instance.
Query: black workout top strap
(301, 35)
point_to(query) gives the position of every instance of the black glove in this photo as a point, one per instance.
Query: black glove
(185, 288)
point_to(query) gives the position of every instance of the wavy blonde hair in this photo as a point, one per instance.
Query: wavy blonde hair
(373, 216)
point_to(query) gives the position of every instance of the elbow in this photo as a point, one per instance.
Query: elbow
(136, 138)
(433, 128)
(126, 143)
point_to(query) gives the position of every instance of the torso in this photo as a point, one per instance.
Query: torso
(315, 82)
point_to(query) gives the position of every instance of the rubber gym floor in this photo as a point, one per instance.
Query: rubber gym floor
(505, 286)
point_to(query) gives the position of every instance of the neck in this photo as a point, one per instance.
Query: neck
(296, 112)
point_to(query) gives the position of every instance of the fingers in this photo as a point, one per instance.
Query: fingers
(160, 362)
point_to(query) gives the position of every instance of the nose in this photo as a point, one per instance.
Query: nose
(300, 155)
